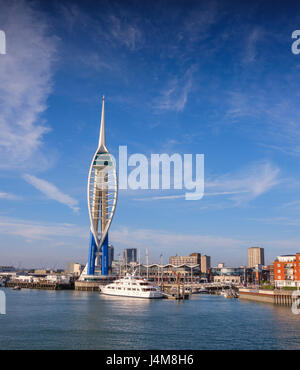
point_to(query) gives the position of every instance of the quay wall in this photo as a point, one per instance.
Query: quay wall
(257, 295)
(278, 297)
(87, 286)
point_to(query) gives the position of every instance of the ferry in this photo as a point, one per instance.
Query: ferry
(132, 286)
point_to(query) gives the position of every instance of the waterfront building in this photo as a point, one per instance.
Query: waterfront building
(287, 270)
(227, 274)
(74, 268)
(235, 279)
(41, 272)
(162, 273)
(102, 199)
(130, 255)
(7, 269)
(58, 279)
(256, 256)
(205, 264)
(192, 259)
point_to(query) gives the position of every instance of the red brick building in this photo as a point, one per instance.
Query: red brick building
(287, 270)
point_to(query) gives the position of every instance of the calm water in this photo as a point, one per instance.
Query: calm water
(81, 320)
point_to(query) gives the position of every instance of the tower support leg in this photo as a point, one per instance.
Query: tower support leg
(104, 259)
(92, 255)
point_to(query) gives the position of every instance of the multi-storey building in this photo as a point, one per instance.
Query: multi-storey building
(130, 255)
(256, 256)
(287, 270)
(205, 264)
(192, 259)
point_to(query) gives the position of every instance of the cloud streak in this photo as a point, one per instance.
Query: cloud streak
(8, 196)
(175, 96)
(35, 230)
(25, 84)
(52, 192)
(248, 184)
(240, 187)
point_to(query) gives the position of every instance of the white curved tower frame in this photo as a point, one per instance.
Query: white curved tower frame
(102, 189)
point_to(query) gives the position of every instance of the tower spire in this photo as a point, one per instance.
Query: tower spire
(102, 145)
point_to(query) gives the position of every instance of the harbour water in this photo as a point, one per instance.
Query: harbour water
(85, 320)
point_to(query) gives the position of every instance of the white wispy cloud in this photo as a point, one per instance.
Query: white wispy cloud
(269, 115)
(238, 187)
(52, 192)
(175, 96)
(36, 230)
(8, 196)
(293, 204)
(247, 184)
(25, 84)
(172, 242)
(124, 32)
(231, 250)
(252, 40)
(283, 221)
(118, 28)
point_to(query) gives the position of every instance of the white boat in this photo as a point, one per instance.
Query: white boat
(132, 286)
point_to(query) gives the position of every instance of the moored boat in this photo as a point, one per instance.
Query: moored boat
(132, 286)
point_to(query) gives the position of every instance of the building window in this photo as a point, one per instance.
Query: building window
(278, 271)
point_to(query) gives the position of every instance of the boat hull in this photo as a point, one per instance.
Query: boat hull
(130, 296)
(139, 295)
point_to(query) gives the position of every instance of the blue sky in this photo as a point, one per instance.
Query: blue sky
(217, 78)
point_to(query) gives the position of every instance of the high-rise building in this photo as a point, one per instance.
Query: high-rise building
(205, 264)
(256, 256)
(130, 255)
(192, 259)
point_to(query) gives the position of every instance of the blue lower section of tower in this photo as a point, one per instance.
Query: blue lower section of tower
(92, 256)
(104, 259)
